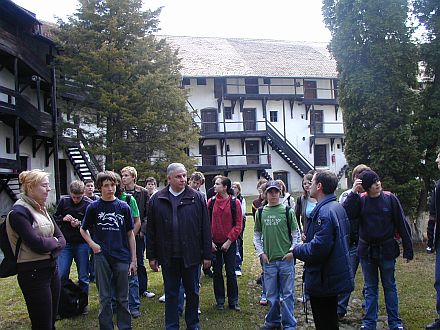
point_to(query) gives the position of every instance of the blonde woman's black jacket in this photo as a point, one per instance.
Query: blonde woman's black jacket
(433, 229)
(194, 228)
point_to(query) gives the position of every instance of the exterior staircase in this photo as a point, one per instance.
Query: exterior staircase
(81, 162)
(287, 151)
(265, 175)
(11, 186)
(342, 171)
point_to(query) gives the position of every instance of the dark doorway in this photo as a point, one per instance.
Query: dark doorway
(321, 155)
(209, 121)
(281, 175)
(316, 121)
(209, 155)
(252, 152)
(249, 119)
(63, 177)
(310, 89)
(251, 85)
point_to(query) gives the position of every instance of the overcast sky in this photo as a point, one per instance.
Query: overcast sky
(299, 20)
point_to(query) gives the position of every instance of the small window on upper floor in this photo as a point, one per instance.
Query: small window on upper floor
(266, 81)
(201, 81)
(273, 116)
(186, 82)
(228, 112)
(8, 146)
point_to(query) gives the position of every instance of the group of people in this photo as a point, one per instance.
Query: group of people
(183, 231)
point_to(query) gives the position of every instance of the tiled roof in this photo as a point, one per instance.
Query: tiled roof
(214, 57)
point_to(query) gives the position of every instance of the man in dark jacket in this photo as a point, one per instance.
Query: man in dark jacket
(325, 252)
(179, 240)
(69, 214)
(380, 218)
(434, 242)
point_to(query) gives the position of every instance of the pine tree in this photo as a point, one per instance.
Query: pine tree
(128, 80)
(377, 66)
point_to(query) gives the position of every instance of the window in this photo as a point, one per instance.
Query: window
(228, 113)
(8, 145)
(251, 85)
(186, 82)
(201, 81)
(273, 116)
(266, 81)
(310, 90)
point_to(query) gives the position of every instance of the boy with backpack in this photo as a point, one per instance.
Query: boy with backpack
(277, 224)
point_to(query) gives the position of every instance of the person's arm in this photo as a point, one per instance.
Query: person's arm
(318, 249)
(206, 235)
(431, 222)
(236, 230)
(21, 222)
(402, 227)
(151, 236)
(243, 207)
(132, 244)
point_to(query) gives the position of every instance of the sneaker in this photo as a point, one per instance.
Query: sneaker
(220, 306)
(199, 311)
(234, 307)
(149, 294)
(268, 327)
(434, 325)
(238, 272)
(263, 301)
(162, 298)
(85, 311)
(135, 314)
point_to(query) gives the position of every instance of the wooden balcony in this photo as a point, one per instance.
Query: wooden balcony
(32, 121)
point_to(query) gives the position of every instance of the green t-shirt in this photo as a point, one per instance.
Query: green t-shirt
(273, 226)
(133, 204)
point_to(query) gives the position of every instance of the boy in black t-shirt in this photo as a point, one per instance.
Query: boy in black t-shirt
(114, 248)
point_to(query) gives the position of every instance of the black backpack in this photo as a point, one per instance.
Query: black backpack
(233, 209)
(8, 260)
(289, 230)
(72, 300)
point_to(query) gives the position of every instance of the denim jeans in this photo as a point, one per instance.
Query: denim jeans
(437, 275)
(279, 279)
(228, 259)
(238, 256)
(370, 269)
(134, 302)
(80, 253)
(107, 269)
(141, 270)
(343, 299)
(175, 273)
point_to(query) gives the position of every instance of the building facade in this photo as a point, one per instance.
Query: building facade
(265, 108)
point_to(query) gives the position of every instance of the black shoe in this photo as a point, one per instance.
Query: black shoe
(135, 314)
(85, 311)
(268, 327)
(259, 281)
(433, 325)
(220, 307)
(235, 307)
(208, 272)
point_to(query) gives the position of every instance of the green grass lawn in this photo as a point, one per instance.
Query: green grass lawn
(414, 279)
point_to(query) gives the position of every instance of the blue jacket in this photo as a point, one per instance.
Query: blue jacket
(325, 252)
(194, 228)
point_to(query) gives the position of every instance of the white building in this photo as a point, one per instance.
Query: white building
(265, 108)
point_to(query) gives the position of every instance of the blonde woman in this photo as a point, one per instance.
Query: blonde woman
(41, 243)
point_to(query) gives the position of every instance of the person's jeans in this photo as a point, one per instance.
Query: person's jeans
(141, 270)
(238, 256)
(370, 269)
(41, 291)
(228, 259)
(80, 253)
(344, 298)
(134, 302)
(175, 273)
(107, 269)
(181, 298)
(279, 278)
(437, 275)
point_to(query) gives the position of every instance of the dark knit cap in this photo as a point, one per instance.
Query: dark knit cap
(368, 178)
